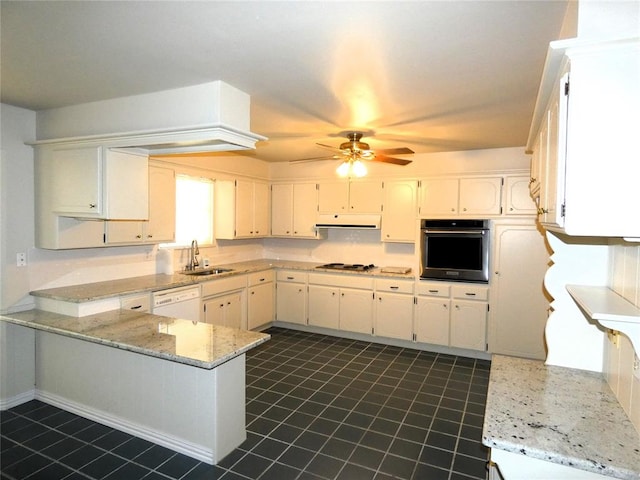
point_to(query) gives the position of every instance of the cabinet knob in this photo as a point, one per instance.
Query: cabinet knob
(92, 205)
(453, 209)
(149, 236)
(464, 209)
(138, 236)
(444, 305)
(253, 293)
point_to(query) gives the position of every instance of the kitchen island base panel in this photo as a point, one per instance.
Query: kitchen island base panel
(195, 411)
(513, 466)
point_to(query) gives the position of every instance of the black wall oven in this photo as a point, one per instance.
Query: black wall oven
(455, 250)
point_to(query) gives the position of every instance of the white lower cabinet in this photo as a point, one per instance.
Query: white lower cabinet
(324, 306)
(469, 311)
(224, 310)
(224, 300)
(260, 299)
(291, 297)
(394, 309)
(341, 302)
(453, 315)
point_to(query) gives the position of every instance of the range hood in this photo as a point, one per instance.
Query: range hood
(348, 220)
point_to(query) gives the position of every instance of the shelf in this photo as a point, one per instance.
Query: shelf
(609, 309)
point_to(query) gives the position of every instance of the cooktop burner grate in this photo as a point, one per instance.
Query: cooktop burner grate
(347, 266)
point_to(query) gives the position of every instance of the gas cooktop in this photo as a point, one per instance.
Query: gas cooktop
(357, 267)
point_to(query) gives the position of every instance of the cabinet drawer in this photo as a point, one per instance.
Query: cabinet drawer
(291, 276)
(345, 281)
(433, 289)
(397, 286)
(257, 278)
(137, 303)
(224, 285)
(470, 292)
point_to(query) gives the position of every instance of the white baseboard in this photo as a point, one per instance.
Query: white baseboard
(7, 403)
(174, 443)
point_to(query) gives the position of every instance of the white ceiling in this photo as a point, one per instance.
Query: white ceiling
(431, 75)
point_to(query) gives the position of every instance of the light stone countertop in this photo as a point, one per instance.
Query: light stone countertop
(184, 341)
(561, 415)
(153, 283)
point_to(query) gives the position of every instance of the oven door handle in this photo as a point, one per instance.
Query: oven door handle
(481, 232)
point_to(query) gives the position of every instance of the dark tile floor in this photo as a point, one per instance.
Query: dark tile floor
(318, 407)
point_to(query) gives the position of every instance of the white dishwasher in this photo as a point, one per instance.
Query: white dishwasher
(178, 303)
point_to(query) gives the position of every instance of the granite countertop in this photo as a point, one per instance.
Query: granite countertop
(153, 283)
(561, 415)
(184, 341)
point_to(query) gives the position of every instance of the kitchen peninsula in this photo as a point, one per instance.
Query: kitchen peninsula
(175, 382)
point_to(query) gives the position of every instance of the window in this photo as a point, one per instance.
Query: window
(194, 210)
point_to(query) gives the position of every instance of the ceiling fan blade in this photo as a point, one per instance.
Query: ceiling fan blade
(335, 149)
(395, 151)
(393, 160)
(314, 159)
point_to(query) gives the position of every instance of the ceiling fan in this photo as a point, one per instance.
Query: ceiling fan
(353, 151)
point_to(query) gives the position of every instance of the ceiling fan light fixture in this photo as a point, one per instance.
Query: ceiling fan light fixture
(352, 168)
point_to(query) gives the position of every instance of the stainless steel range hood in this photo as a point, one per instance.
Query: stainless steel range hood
(348, 220)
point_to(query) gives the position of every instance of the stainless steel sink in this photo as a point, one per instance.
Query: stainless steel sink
(207, 271)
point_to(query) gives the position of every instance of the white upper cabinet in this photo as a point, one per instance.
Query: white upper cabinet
(439, 196)
(585, 126)
(445, 197)
(293, 210)
(161, 226)
(399, 211)
(241, 209)
(350, 197)
(518, 199)
(94, 182)
(480, 196)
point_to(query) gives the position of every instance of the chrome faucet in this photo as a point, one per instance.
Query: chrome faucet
(193, 259)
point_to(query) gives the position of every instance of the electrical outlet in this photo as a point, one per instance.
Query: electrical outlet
(21, 259)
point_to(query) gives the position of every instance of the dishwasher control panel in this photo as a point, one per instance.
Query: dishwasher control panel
(166, 298)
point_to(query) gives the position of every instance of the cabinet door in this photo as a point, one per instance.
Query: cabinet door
(469, 324)
(261, 216)
(161, 226)
(399, 212)
(282, 209)
(365, 197)
(432, 320)
(233, 310)
(518, 196)
(356, 310)
(305, 209)
(214, 311)
(394, 316)
(123, 231)
(76, 181)
(244, 208)
(553, 184)
(126, 185)
(333, 197)
(480, 196)
(439, 196)
(260, 305)
(324, 306)
(519, 304)
(291, 303)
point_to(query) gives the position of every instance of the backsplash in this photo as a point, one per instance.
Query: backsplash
(620, 358)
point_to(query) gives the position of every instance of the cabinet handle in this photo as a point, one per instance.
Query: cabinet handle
(394, 287)
(149, 236)
(289, 278)
(469, 294)
(92, 205)
(138, 236)
(434, 291)
(262, 280)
